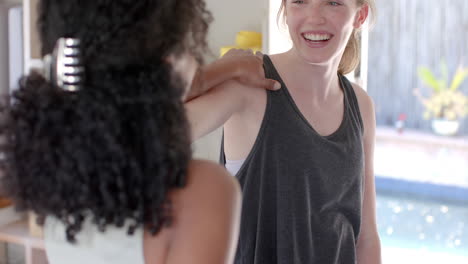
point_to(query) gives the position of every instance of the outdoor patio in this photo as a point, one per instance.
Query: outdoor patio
(422, 192)
(421, 157)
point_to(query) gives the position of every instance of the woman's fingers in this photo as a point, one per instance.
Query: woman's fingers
(259, 54)
(271, 84)
(252, 69)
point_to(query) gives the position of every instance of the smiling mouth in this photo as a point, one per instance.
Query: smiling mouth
(317, 37)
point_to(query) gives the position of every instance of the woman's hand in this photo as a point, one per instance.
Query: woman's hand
(249, 68)
(240, 65)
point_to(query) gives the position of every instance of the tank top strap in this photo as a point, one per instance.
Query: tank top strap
(281, 100)
(351, 102)
(222, 155)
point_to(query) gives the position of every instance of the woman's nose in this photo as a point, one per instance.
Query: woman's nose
(315, 14)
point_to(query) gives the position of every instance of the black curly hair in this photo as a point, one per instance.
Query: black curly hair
(116, 147)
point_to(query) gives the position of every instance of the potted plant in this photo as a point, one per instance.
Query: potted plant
(445, 105)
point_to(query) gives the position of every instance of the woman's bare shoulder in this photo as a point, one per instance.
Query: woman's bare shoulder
(205, 217)
(208, 186)
(366, 106)
(364, 100)
(210, 178)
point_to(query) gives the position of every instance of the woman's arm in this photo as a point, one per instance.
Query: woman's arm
(214, 108)
(368, 244)
(224, 90)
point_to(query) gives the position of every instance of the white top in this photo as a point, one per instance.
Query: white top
(233, 166)
(113, 246)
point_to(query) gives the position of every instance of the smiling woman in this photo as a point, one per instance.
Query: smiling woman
(303, 154)
(351, 56)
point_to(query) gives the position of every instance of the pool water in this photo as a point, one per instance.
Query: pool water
(415, 230)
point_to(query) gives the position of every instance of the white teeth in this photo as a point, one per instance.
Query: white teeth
(317, 37)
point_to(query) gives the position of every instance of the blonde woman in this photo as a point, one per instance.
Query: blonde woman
(303, 154)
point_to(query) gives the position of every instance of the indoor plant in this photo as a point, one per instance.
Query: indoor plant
(446, 105)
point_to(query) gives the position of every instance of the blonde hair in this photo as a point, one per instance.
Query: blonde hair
(352, 54)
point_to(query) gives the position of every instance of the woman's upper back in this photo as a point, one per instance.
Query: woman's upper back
(204, 229)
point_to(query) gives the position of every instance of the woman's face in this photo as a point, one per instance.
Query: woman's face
(186, 66)
(320, 29)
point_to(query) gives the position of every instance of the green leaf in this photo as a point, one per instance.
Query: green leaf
(428, 78)
(458, 79)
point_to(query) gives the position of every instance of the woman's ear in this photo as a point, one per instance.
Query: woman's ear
(361, 16)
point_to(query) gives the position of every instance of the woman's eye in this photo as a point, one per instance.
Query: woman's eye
(334, 3)
(297, 2)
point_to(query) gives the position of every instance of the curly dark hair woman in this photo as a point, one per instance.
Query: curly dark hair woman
(117, 151)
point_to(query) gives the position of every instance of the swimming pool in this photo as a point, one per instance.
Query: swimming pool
(415, 230)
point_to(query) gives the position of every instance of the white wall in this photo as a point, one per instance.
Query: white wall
(233, 16)
(15, 33)
(4, 70)
(277, 35)
(13, 252)
(5, 5)
(230, 17)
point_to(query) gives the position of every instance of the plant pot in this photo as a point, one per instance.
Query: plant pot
(445, 127)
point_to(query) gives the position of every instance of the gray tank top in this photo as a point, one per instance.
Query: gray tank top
(302, 192)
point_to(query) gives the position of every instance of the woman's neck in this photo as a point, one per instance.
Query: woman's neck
(319, 79)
